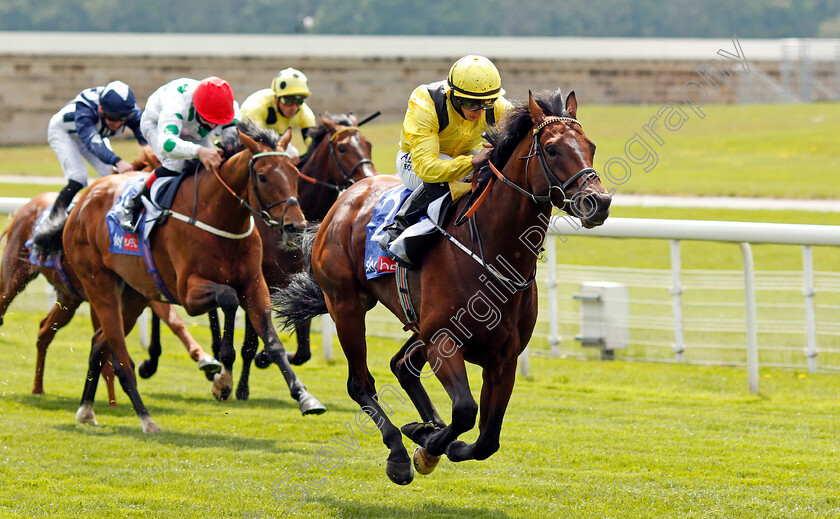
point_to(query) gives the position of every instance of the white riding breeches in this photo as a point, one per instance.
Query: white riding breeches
(72, 153)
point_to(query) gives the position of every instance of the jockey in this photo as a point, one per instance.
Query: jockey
(180, 121)
(283, 106)
(80, 131)
(441, 134)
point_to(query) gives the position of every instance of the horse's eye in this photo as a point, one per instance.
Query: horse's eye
(551, 150)
(342, 148)
(261, 177)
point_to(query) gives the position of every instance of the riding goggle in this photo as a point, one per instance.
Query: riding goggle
(117, 118)
(291, 100)
(474, 105)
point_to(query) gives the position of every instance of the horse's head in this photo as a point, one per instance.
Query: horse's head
(273, 180)
(350, 151)
(565, 154)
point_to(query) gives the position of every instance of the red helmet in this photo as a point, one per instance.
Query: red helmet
(213, 100)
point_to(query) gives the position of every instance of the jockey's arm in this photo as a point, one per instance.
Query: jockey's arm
(86, 127)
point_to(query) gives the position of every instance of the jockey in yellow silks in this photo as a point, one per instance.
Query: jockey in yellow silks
(442, 131)
(283, 106)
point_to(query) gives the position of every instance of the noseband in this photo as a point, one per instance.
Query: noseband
(587, 174)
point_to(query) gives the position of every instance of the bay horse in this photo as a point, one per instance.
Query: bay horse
(212, 263)
(478, 307)
(339, 155)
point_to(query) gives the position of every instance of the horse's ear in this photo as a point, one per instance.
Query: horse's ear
(249, 143)
(286, 139)
(328, 124)
(571, 104)
(537, 115)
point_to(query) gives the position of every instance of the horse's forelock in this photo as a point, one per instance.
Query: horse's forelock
(320, 131)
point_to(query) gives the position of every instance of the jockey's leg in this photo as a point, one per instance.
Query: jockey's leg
(65, 196)
(128, 217)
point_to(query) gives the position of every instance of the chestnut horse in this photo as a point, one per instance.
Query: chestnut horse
(17, 271)
(339, 155)
(477, 300)
(213, 262)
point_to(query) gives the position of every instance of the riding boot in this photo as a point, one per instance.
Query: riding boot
(419, 199)
(65, 196)
(127, 218)
(47, 236)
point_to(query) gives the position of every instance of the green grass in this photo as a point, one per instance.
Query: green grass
(581, 439)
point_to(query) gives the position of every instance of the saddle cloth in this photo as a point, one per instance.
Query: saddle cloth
(411, 244)
(124, 242)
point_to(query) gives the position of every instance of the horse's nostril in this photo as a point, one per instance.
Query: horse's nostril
(291, 228)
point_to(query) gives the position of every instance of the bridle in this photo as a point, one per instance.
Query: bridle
(587, 174)
(346, 175)
(263, 209)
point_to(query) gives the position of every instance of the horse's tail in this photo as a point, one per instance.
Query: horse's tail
(302, 298)
(47, 239)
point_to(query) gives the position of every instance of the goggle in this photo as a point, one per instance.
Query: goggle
(291, 100)
(473, 105)
(117, 118)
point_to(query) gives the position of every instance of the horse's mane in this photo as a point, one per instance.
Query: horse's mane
(320, 131)
(231, 144)
(511, 129)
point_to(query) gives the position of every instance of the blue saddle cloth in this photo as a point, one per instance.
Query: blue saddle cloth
(377, 261)
(124, 242)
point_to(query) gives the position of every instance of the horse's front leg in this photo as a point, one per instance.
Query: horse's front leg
(59, 316)
(257, 305)
(202, 295)
(451, 371)
(495, 394)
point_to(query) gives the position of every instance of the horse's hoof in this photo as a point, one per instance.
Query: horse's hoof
(222, 385)
(458, 451)
(243, 394)
(85, 415)
(147, 369)
(298, 358)
(262, 360)
(309, 404)
(37, 391)
(400, 473)
(149, 426)
(210, 366)
(418, 431)
(424, 463)
(112, 403)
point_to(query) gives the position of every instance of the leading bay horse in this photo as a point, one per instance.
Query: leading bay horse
(478, 307)
(212, 263)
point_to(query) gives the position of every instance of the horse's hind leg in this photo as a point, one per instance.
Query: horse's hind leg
(495, 394)
(206, 362)
(249, 351)
(303, 352)
(349, 319)
(59, 316)
(149, 366)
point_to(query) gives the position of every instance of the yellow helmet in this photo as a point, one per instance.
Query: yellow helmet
(290, 82)
(475, 77)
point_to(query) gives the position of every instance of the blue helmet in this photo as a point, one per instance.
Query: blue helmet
(117, 98)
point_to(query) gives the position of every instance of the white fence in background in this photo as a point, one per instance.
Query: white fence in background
(781, 319)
